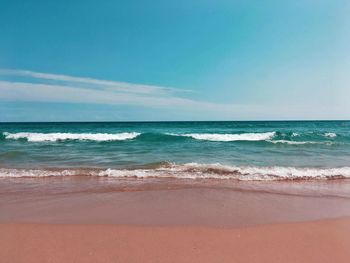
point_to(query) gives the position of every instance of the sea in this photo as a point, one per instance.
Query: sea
(227, 150)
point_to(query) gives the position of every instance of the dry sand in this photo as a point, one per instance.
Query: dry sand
(320, 241)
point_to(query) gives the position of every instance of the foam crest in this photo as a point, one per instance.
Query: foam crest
(196, 171)
(52, 137)
(330, 134)
(229, 137)
(260, 173)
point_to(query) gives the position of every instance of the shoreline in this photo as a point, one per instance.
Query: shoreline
(312, 241)
(170, 202)
(86, 200)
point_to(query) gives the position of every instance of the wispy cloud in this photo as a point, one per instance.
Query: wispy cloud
(29, 86)
(46, 87)
(94, 83)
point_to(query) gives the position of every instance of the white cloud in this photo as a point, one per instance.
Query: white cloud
(23, 91)
(96, 83)
(69, 89)
(43, 87)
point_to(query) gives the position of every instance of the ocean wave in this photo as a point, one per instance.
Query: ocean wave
(195, 171)
(229, 137)
(52, 137)
(328, 143)
(294, 142)
(330, 134)
(275, 137)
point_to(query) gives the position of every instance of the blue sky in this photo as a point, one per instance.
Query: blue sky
(174, 60)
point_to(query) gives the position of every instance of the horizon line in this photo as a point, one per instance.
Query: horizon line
(155, 121)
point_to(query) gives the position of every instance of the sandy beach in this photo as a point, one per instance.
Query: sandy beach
(101, 220)
(174, 131)
(321, 241)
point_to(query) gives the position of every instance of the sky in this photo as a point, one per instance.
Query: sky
(174, 60)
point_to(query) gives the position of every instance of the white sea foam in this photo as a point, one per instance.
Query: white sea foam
(41, 137)
(229, 137)
(197, 171)
(330, 135)
(18, 173)
(219, 171)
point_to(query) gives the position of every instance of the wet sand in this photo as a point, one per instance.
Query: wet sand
(85, 200)
(102, 220)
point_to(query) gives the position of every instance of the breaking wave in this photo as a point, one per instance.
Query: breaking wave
(229, 137)
(52, 137)
(275, 137)
(297, 142)
(330, 135)
(194, 171)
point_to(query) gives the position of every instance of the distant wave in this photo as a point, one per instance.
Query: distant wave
(297, 142)
(330, 134)
(229, 137)
(194, 171)
(275, 137)
(290, 142)
(271, 137)
(52, 137)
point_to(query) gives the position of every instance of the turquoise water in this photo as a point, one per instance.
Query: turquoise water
(190, 149)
